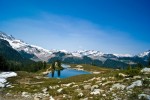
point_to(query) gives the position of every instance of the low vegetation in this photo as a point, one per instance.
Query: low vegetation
(108, 84)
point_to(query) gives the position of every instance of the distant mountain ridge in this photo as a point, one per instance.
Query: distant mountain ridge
(36, 52)
(7, 51)
(83, 56)
(10, 59)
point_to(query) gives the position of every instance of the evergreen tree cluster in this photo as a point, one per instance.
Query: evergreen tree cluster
(10, 65)
(149, 61)
(56, 65)
(11, 60)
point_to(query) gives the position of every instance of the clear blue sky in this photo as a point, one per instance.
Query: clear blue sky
(110, 26)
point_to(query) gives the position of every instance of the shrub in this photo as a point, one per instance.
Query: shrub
(132, 72)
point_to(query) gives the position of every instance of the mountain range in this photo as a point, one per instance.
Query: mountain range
(93, 57)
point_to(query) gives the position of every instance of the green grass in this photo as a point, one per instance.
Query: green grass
(37, 84)
(91, 67)
(21, 81)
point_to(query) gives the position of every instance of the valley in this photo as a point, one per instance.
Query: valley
(75, 50)
(92, 57)
(108, 84)
(29, 72)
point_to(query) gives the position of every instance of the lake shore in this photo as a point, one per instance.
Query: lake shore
(108, 84)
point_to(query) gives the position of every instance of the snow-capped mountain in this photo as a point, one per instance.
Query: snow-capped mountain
(38, 52)
(123, 55)
(147, 53)
(99, 55)
(90, 52)
(44, 54)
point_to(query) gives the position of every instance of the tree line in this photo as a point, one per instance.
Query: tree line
(30, 66)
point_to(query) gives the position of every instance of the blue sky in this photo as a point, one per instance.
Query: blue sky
(110, 26)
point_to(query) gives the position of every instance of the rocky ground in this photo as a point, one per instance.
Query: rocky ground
(103, 84)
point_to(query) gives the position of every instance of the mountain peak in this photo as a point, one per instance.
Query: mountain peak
(123, 55)
(2, 34)
(5, 36)
(146, 53)
(20, 45)
(65, 51)
(45, 55)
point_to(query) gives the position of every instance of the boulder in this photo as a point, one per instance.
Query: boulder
(37, 98)
(104, 95)
(123, 75)
(96, 72)
(91, 79)
(103, 79)
(80, 94)
(137, 77)
(79, 66)
(75, 86)
(118, 86)
(84, 99)
(105, 83)
(87, 87)
(60, 90)
(25, 94)
(136, 83)
(95, 92)
(69, 84)
(45, 90)
(94, 87)
(146, 70)
(51, 98)
(78, 90)
(8, 94)
(144, 96)
(54, 87)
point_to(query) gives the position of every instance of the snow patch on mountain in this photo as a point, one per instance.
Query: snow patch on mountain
(144, 54)
(65, 51)
(76, 54)
(19, 45)
(88, 53)
(40, 48)
(123, 55)
(40, 53)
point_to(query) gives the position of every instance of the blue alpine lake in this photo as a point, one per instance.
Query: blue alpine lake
(67, 72)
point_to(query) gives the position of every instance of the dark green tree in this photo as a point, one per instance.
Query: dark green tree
(44, 65)
(3, 64)
(149, 61)
(59, 63)
(58, 72)
(53, 65)
(129, 67)
(139, 65)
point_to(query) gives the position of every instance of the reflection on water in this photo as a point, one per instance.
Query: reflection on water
(67, 72)
(53, 73)
(58, 73)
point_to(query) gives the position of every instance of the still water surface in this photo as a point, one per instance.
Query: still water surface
(67, 72)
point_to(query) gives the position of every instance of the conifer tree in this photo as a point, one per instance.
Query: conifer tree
(149, 61)
(3, 63)
(44, 64)
(139, 65)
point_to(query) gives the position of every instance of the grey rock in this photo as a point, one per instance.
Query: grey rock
(87, 87)
(94, 87)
